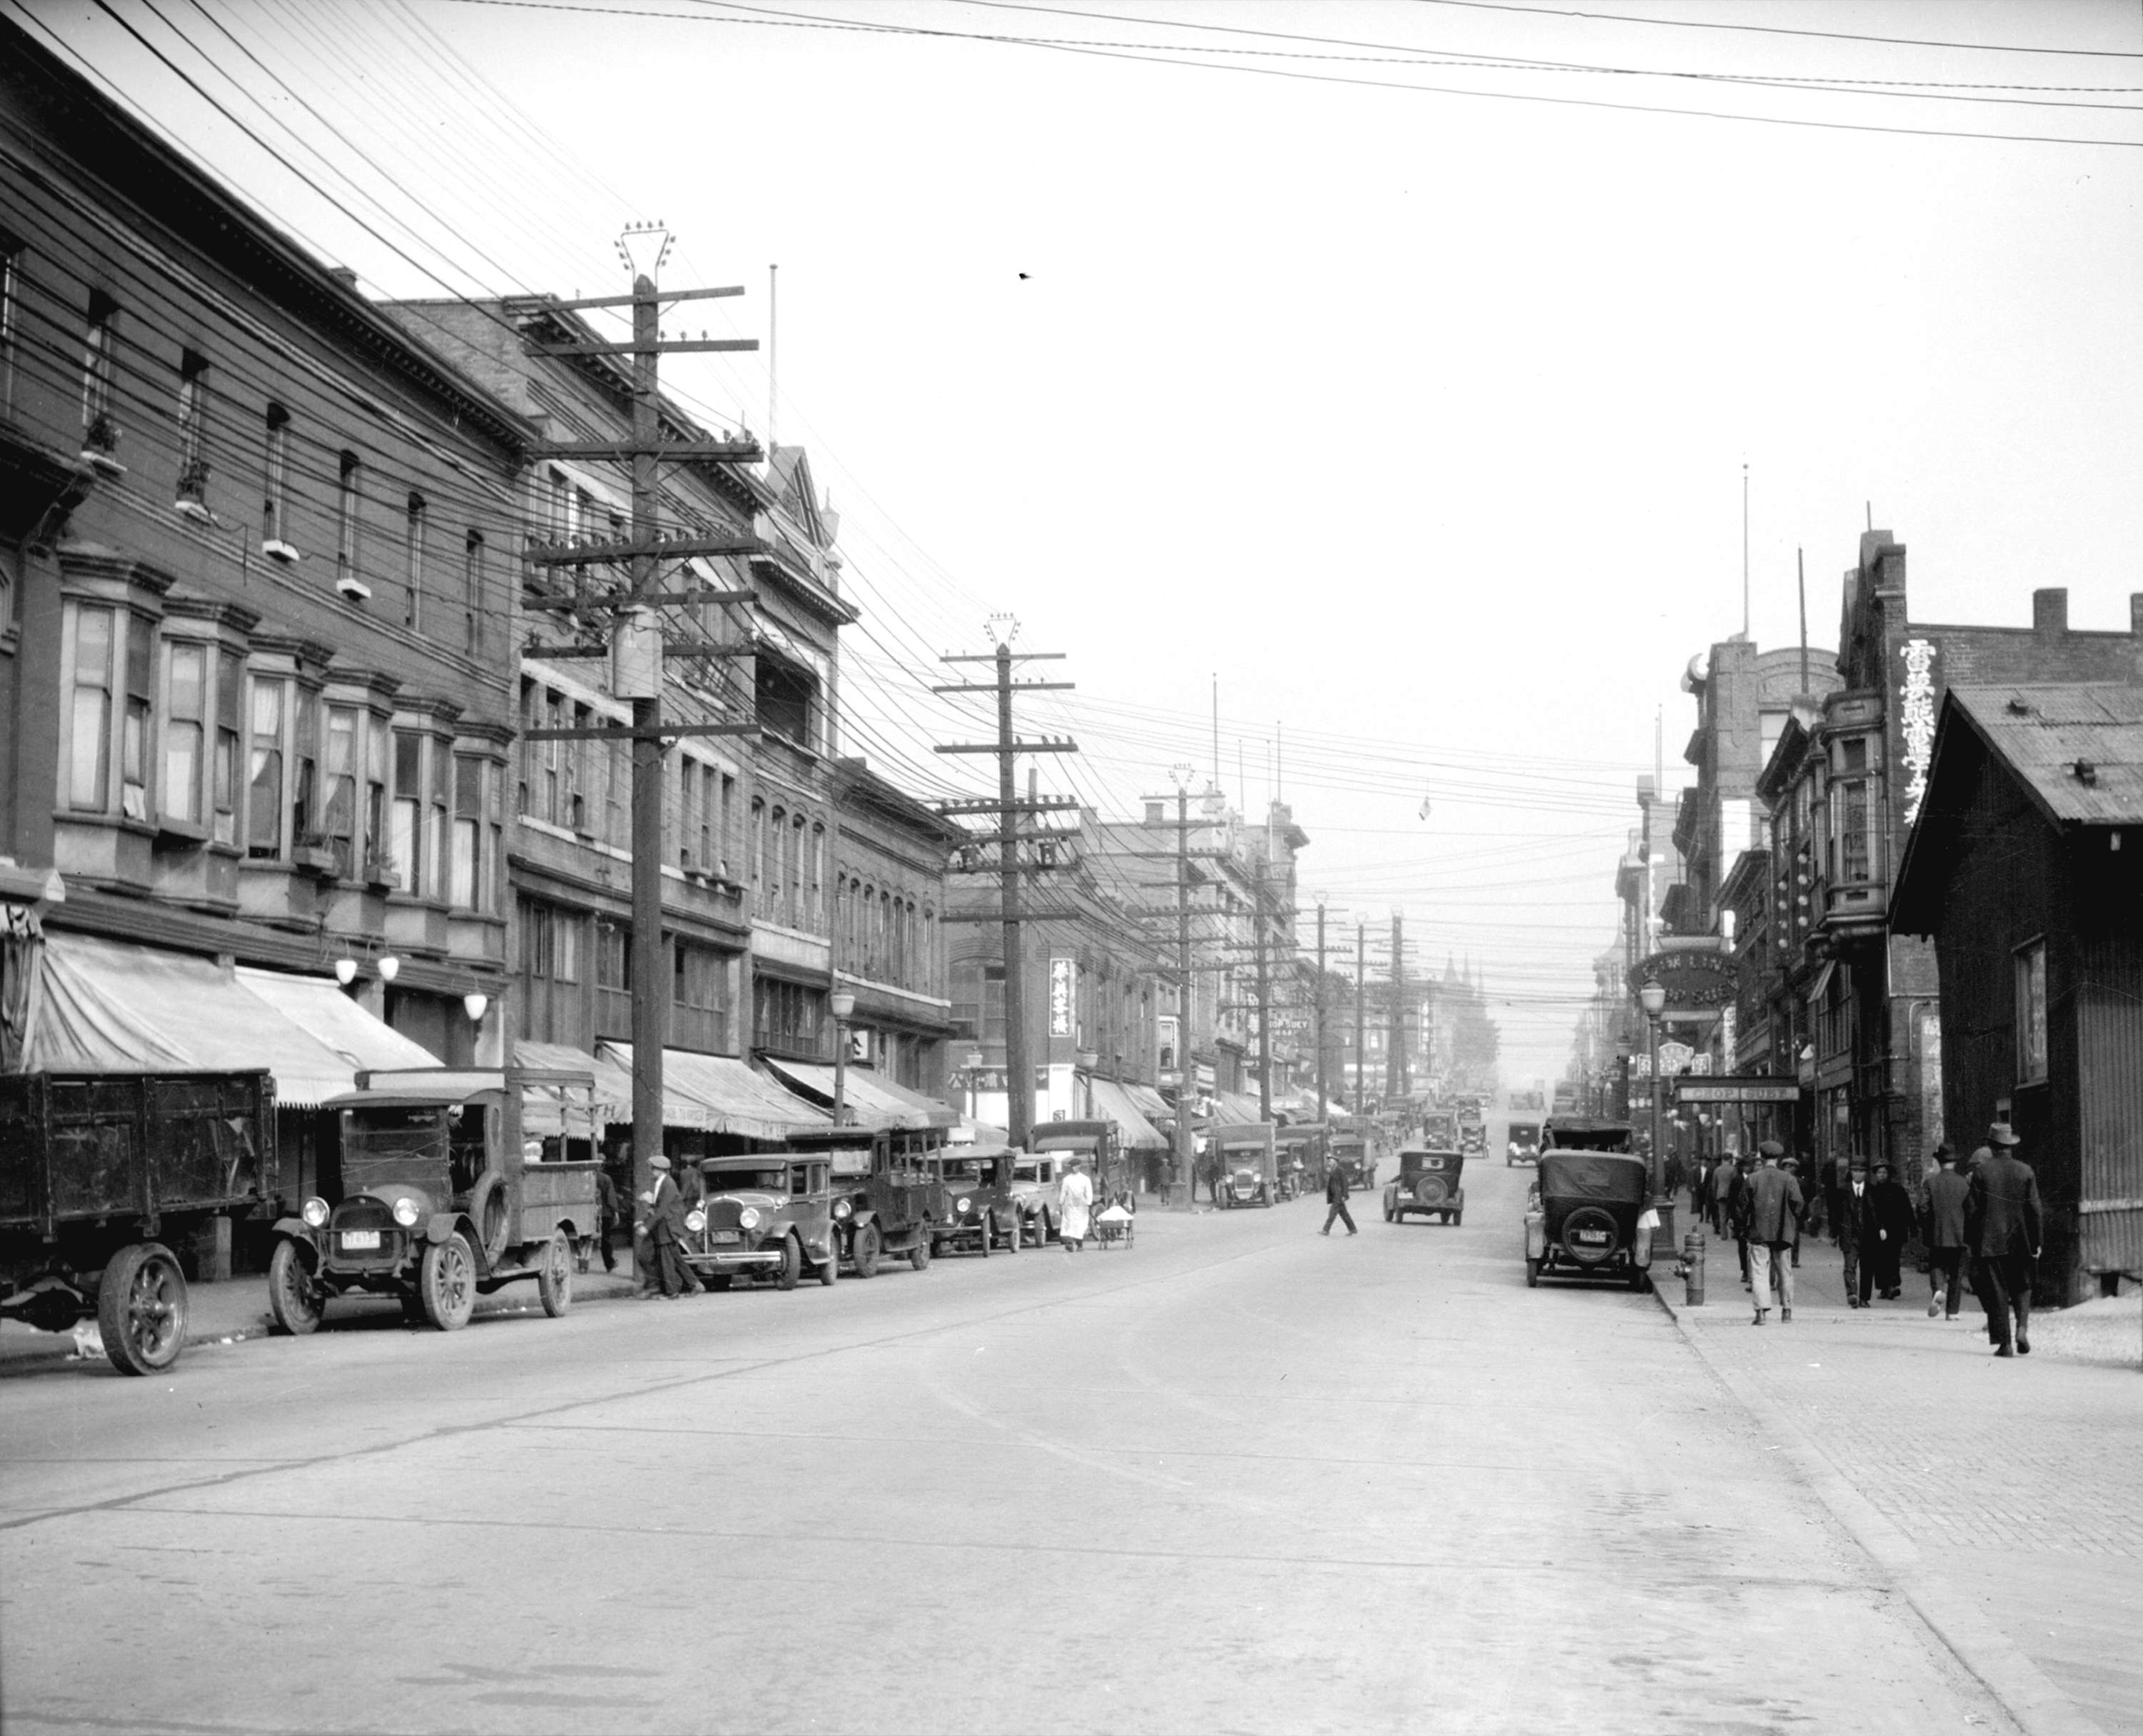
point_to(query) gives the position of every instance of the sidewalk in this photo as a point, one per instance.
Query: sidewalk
(224, 1313)
(2005, 1498)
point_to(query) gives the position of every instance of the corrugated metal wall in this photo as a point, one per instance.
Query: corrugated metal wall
(2109, 1066)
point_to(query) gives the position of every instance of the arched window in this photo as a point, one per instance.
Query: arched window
(757, 849)
(798, 916)
(818, 878)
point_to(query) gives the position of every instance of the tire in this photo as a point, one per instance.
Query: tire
(446, 1281)
(829, 1268)
(1532, 1275)
(863, 1249)
(1012, 1238)
(292, 1305)
(918, 1256)
(1593, 1217)
(554, 1281)
(1390, 1215)
(984, 1237)
(142, 1308)
(1458, 1220)
(487, 1211)
(792, 1263)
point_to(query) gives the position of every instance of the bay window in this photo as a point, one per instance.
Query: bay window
(264, 767)
(406, 832)
(464, 888)
(89, 712)
(345, 751)
(186, 711)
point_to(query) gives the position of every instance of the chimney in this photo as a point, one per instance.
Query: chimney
(1153, 813)
(2136, 613)
(2050, 612)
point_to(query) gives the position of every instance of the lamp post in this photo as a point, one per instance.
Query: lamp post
(842, 1006)
(1654, 1000)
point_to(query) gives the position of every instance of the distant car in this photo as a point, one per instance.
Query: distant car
(1038, 1185)
(1524, 1146)
(1250, 1163)
(1587, 1218)
(765, 1214)
(983, 1213)
(1428, 1183)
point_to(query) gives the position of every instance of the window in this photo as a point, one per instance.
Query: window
(787, 1016)
(2031, 1013)
(264, 769)
(464, 888)
(11, 316)
(613, 956)
(699, 996)
(378, 866)
(229, 684)
(440, 794)
(345, 751)
(276, 477)
(473, 593)
(349, 503)
(89, 719)
(413, 566)
(783, 695)
(817, 922)
(550, 942)
(993, 1003)
(185, 732)
(99, 364)
(967, 1010)
(758, 853)
(134, 737)
(406, 832)
(193, 428)
(793, 901)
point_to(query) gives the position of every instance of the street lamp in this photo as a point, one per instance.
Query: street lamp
(1654, 1000)
(842, 1006)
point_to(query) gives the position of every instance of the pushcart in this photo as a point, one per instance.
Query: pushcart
(1114, 1226)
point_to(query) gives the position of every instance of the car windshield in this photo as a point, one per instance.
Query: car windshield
(773, 1180)
(1027, 1172)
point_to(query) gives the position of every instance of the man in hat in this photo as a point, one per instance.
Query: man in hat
(1774, 1205)
(666, 1236)
(1946, 1193)
(2003, 1232)
(1885, 1227)
(1846, 1221)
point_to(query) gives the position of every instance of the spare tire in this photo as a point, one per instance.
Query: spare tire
(1583, 1222)
(487, 1210)
(1430, 1190)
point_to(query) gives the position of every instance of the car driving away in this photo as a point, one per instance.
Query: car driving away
(1588, 1216)
(1524, 1145)
(1426, 1184)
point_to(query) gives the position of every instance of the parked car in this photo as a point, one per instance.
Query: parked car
(1524, 1146)
(765, 1214)
(101, 1175)
(1037, 1184)
(1302, 1150)
(982, 1212)
(439, 1202)
(895, 1197)
(1587, 1216)
(1250, 1162)
(1428, 1183)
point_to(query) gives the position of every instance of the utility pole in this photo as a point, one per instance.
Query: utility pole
(1264, 992)
(1395, 1065)
(1361, 1022)
(1322, 1100)
(1009, 809)
(637, 649)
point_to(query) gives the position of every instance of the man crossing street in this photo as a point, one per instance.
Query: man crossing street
(1336, 1198)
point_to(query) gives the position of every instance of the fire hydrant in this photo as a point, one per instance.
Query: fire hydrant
(1692, 1268)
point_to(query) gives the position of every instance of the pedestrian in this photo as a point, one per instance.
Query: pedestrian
(1335, 1200)
(670, 1277)
(1791, 1165)
(1846, 1222)
(1075, 1202)
(606, 1217)
(1947, 1193)
(1675, 1173)
(2002, 1230)
(1832, 1179)
(1773, 1216)
(1816, 1219)
(1884, 1232)
(1737, 1211)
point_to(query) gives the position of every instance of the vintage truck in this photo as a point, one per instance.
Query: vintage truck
(1097, 1143)
(889, 1180)
(440, 1201)
(1248, 1155)
(103, 1176)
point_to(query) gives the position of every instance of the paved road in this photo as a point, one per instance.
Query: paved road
(1237, 1478)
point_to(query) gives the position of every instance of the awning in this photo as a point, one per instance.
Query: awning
(870, 1100)
(721, 1094)
(546, 1115)
(1151, 1103)
(1233, 1106)
(109, 1006)
(1112, 1101)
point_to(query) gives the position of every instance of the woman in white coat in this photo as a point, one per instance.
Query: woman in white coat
(1075, 1202)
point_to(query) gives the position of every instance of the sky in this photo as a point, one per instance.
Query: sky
(1389, 367)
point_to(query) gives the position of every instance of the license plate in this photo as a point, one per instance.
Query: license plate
(725, 1235)
(1592, 1236)
(355, 1241)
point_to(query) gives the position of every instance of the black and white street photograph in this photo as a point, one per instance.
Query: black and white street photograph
(1071, 868)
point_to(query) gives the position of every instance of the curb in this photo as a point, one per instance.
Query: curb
(2031, 1699)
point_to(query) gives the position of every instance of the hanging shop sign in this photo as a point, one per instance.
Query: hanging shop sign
(1726, 1088)
(1694, 981)
(1060, 987)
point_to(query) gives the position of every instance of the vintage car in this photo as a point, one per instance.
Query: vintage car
(1097, 1143)
(103, 1176)
(1301, 1158)
(983, 1213)
(1587, 1133)
(1587, 1216)
(1248, 1154)
(765, 1214)
(1524, 1146)
(439, 1202)
(1037, 1184)
(1428, 1183)
(896, 1200)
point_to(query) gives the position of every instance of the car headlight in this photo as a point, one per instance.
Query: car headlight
(962, 1203)
(842, 1209)
(405, 1211)
(748, 1218)
(696, 1221)
(316, 1213)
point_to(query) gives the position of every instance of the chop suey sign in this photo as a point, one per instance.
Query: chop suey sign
(1692, 980)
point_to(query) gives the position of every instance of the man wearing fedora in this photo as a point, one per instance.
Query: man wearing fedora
(1774, 1206)
(2002, 1233)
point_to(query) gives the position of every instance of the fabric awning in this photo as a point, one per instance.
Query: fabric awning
(1112, 1101)
(721, 1094)
(546, 1115)
(1151, 1103)
(1234, 1107)
(870, 1099)
(109, 1006)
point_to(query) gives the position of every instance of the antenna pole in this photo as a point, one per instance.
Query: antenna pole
(1745, 548)
(773, 286)
(1800, 574)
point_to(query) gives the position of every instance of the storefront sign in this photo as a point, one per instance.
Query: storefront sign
(1694, 981)
(1061, 983)
(1916, 720)
(1722, 1088)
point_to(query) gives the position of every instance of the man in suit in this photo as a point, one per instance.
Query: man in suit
(665, 1235)
(1846, 1221)
(1886, 1224)
(1773, 1209)
(1946, 1192)
(1737, 1211)
(1335, 1198)
(2002, 1233)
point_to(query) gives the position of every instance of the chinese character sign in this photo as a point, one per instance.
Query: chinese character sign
(1916, 720)
(1061, 982)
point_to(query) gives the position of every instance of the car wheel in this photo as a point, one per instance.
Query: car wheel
(865, 1250)
(984, 1237)
(446, 1280)
(1532, 1275)
(554, 1281)
(1458, 1219)
(829, 1269)
(1012, 1238)
(292, 1306)
(1390, 1215)
(142, 1308)
(792, 1263)
(918, 1256)
(487, 1210)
